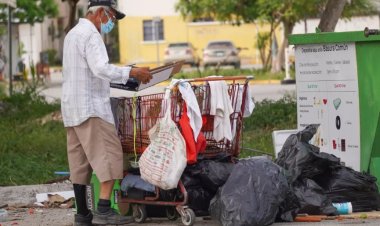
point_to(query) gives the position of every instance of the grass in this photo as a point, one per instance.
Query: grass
(268, 116)
(259, 74)
(30, 151)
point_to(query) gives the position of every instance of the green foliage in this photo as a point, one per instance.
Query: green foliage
(30, 151)
(223, 10)
(52, 56)
(3, 30)
(268, 116)
(359, 8)
(288, 12)
(25, 106)
(31, 11)
(263, 42)
(2, 90)
(21, 49)
(259, 74)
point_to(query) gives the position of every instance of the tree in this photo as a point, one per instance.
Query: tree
(73, 10)
(336, 8)
(274, 12)
(31, 11)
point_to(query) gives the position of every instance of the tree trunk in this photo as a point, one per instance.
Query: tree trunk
(73, 10)
(278, 64)
(331, 15)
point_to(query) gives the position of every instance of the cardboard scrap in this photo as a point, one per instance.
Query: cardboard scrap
(56, 200)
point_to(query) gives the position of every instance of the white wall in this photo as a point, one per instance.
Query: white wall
(354, 24)
(32, 39)
(36, 38)
(148, 7)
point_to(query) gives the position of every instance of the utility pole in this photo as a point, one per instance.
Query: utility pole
(11, 4)
(10, 49)
(156, 20)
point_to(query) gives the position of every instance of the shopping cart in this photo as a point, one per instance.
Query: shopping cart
(135, 116)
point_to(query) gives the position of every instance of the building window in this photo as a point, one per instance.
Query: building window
(153, 29)
(203, 19)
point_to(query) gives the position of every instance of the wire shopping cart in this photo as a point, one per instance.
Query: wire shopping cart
(135, 116)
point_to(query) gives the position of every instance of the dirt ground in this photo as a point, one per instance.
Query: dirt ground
(64, 217)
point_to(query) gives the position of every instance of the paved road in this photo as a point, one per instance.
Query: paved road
(259, 91)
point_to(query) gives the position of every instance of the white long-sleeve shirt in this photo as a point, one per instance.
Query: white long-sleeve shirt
(87, 76)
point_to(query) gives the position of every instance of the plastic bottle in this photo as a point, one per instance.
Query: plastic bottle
(3, 215)
(343, 208)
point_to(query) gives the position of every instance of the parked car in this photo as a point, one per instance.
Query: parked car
(181, 51)
(221, 53)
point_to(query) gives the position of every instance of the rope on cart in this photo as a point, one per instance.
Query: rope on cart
(134, 98)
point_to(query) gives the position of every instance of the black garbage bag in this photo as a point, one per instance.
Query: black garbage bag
(343, 184)
(252, 194)
(312, 199)
(289, 208)
(199, 200)
(202, 180)
(214, 174)
(304, 160)
(189, 180)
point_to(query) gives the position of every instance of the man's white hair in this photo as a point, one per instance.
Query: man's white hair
(95, 8)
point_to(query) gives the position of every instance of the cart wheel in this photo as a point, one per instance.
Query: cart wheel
(188, 217)
(171, 213)
(139, 213)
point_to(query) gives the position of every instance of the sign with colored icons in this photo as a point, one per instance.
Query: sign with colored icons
(327, 94)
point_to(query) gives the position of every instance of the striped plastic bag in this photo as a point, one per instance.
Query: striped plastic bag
(164, 160)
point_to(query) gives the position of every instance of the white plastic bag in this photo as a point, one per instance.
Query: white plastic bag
(164, 160)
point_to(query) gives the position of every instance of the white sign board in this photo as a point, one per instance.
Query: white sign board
(327, 94)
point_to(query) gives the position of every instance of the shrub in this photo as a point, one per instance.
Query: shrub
(268, 116)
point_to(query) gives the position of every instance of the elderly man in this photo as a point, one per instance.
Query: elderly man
(92, 141)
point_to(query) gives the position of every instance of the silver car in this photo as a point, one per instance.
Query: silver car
(181, 51)
(221, 53)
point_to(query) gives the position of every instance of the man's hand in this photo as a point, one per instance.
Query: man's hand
(141, 73)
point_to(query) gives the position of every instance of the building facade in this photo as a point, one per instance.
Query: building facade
(48, 35)
(148, 19)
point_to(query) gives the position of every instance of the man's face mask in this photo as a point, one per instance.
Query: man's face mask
(107, 27)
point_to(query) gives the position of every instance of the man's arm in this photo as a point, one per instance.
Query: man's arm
(98, 62)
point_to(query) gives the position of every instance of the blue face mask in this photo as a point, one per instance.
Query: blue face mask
(107, 27)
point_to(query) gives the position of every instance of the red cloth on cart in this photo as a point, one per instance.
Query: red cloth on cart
(192, 147)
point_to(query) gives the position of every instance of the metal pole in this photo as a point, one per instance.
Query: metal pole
(10, 49)
(157, 46)
(287, 72)
(156, 21)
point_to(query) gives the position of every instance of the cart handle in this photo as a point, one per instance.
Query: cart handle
(250, 77)
(207, 79)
